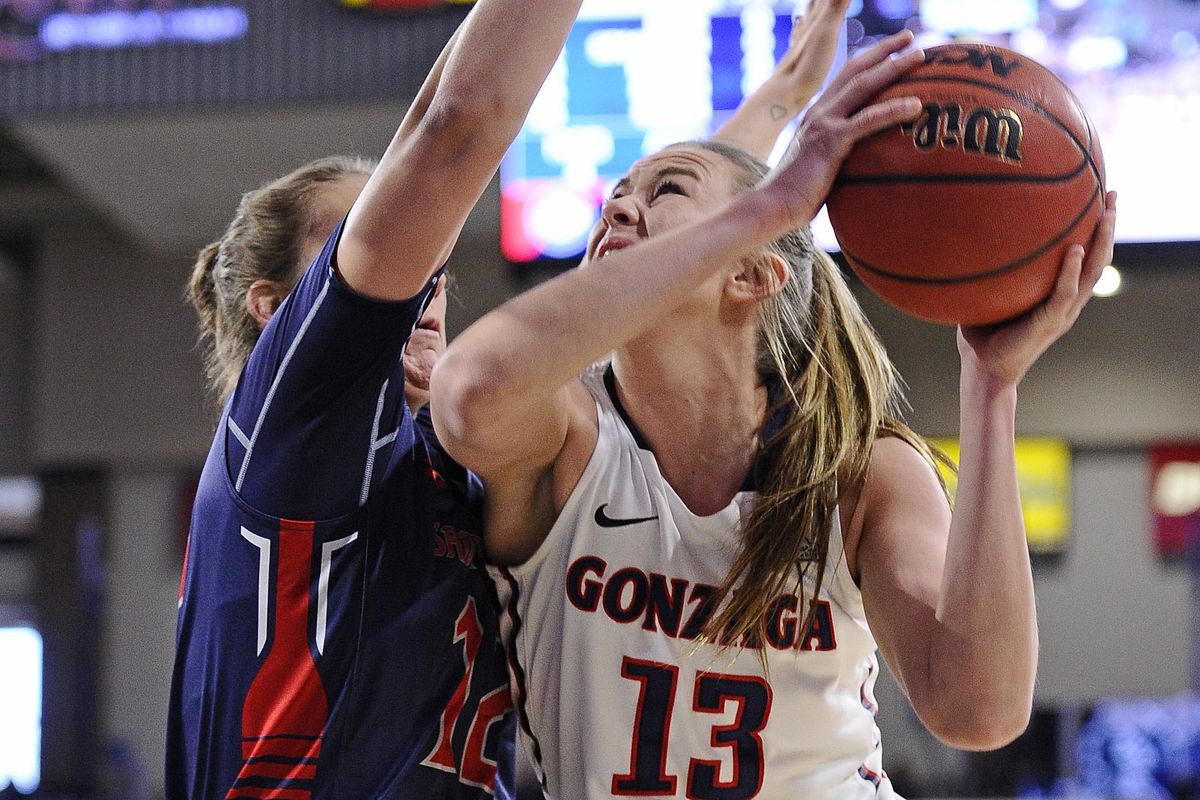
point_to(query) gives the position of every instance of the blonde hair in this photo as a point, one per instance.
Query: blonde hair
(836, 391)
(263, 241)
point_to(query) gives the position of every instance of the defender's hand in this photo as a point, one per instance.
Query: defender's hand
(811, 51)
(841, 117)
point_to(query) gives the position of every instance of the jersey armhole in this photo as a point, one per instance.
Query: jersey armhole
(601, 451)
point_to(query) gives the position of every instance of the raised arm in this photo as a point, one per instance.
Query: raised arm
(503, 394)
(450, 143)
(950, 598)
(758, 122)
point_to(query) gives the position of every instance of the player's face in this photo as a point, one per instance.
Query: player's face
(425, 347)
(661, 192)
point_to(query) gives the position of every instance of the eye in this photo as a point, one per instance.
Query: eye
(667, 187)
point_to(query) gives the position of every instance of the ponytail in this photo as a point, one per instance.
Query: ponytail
(201, 291)
(834, 392)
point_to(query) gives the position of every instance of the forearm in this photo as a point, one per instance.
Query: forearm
(986, 641)
(812, 49)
(758, 122)
(505, 51)
(518, 356)
(450, 143)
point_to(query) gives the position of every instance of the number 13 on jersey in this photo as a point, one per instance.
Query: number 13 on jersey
(749, 698)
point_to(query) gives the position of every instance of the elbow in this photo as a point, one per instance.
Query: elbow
(978, 723)
(460, 399)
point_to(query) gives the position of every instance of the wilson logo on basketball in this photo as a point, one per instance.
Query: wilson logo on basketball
(991, 132)
(976, 58)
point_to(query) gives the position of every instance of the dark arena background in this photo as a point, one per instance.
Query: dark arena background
(129, 129)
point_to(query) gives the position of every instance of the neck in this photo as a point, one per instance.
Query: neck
(704, 372)
(700, 407)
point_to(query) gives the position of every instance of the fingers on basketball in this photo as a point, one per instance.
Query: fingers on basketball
(1064, 302)
(868, 73)
(878, 116)
(1100, 252)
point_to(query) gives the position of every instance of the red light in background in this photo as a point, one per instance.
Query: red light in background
(1174, 496)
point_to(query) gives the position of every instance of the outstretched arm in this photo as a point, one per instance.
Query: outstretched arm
(950, 597)
(450, 143)
(758, 122)
(502, 401)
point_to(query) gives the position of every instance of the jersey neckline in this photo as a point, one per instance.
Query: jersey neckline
(774, 424)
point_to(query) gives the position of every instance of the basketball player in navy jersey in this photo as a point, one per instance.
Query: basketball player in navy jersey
(336, 634)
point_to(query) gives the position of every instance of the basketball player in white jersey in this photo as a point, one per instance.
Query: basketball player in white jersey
(708, 535)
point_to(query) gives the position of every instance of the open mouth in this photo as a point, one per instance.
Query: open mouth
(610, 246)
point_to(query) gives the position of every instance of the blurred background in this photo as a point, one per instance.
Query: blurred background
(129, 129)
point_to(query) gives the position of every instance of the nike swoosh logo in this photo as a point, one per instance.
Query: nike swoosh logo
(605, 521)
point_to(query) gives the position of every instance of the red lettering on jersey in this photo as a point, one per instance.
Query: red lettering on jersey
(680, 609)
(701, 601)
(820, 635)
(582, 591)
(286, 708)
(450, 542)
(665, 606)
(782, 622)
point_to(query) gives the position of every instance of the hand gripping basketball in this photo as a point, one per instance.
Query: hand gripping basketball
(837, 121)
(964, 215)
(1006, 352)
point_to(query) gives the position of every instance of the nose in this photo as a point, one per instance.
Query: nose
(621, 211)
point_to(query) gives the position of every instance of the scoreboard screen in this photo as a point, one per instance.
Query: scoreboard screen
(640, 74)
(31, 30)
(635, 75)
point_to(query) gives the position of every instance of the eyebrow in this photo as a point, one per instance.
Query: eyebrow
(687, 172)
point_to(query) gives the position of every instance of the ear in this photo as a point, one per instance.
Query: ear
(263, 299)
(760, 276)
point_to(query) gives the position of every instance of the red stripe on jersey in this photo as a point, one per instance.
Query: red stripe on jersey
(187, 546)
(286, 708)
(256, 793)
(290, 772)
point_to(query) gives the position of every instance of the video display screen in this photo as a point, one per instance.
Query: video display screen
(637, 75)
(21, 703)
(31, 30)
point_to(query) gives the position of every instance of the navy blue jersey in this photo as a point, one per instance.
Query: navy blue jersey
(337, 636)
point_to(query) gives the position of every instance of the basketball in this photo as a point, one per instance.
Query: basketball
(963, 216)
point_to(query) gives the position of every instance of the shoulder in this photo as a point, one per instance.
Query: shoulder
(524, 499)
(900, 483)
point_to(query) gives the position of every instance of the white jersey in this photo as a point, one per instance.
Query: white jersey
(615, 696)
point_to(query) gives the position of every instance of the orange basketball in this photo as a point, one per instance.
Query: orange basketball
(963, 216)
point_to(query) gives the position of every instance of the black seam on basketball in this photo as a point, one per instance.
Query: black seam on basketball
(869, 178)
(1009, 267)
(1020, 97)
